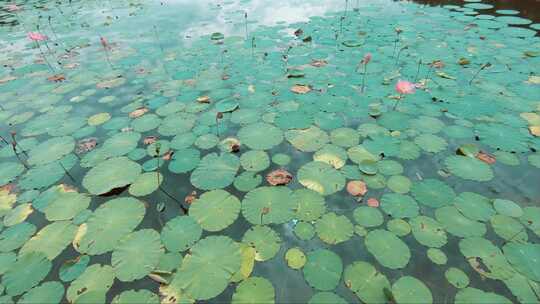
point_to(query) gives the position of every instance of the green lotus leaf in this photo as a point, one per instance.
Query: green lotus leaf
(389, 167)
(457, 277)
(366, 282)
(326, 297)
(206, 141)
(433, 193)
(267, 205)
(248, 262)
(206, 272)
(254, 290)
(530, 219)
(368, 166)
(359, 153)
(472, 295)
(15, 236)
(227, 105)
(408, 150)
(399, 205)
(26, 272)
(469, 168)
(66, 205)
(399, 184)
(344, 137)
(332, 155)
(146, 123)
(455, 223)
(6, 260)
(136, 255)
(215, 171)
(323, 269)
(51, 240)
(146, 184)
(388, 249)
(247, 181)
(48, 292)
(304, 231)
(260, 136)
(7, 200)
(9, 171)
(255, 161)
(502, 137)
(110, 174)
(98, 119)
(215, 210)
(108, 224)
(181, 233)
(307, 140)
(523, 288)
(491, 261)
(368, 216)
(51, 150)
(184, 160)
(93, 283)
(428, 231)
(437, 256)
(334, 229)
(141, 296)
(525, 258)
(398, 227)
(265, 241)
(72, 269)
(310, 204)
(409, 289)
(295, 258)
(431, 143)
(507, 207)
(18, 214)
(169, 262)
(474, 206)
(508, 228)
(281, 159)
(321, 177)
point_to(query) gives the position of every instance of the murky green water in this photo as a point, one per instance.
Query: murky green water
(139, 137)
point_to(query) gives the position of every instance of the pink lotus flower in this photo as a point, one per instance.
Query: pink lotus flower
(35, 36)
(12, 8)
(366, 59)
(405, 87)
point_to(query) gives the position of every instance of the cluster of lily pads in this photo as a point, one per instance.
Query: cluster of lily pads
(270, 168)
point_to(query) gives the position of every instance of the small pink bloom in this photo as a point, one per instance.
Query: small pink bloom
(367, 58)
(104, 43)
(12, 8)
(35, 36)
(405, 87)
(373, 202)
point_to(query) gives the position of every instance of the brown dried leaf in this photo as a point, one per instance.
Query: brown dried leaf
(356, 188)
(486, 157)
(301, 89)
(56, 78)
(148, 140)
(319, 63)
(86, 145)
(190, 198)
(535, 130)
(279, 177)
(203, 99)
(138, 113)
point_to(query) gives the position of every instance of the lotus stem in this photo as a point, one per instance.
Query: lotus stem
(15, 143)
(418, 70)
(4, 140)
(252, 47)
(45, 58)
(364, 79)
(399, 54)
(397, 101)
(357, 5)
(396, 43)
(245, 24)
(346, 7)
(482, 67)
(158, 148)
(341, 25)
(67, 172)
(174, 199)
(428, 74)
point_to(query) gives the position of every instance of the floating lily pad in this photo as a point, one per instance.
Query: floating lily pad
(266, 205)
(455, 223)
(265, 241)
(428, 231)
(255, 161)
(295, 258)
(215, 171)
(321, 177)
(108, 224)
(260, 136)
(141, 296)
(411, 290)
(304, 231)
(437, 256)
(366, 282)
(215, 210)
(48, 292)
(525, 258)
(469, 168)
(457, 277)
(110, 174)
(254, 290)
(433, 193)
(311, 205)
(388, 249)
(472, 295)
(51, 240)
(26, 272)
(72, 269)
(136, 255)
(323, 269)
(93, 283)
(334, 229)
(180, 233)
(368, 216)
(51, 150)
(399, 205)
(307, 140)
(206, 272)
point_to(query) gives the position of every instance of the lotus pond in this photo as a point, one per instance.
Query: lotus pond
(268, 151)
